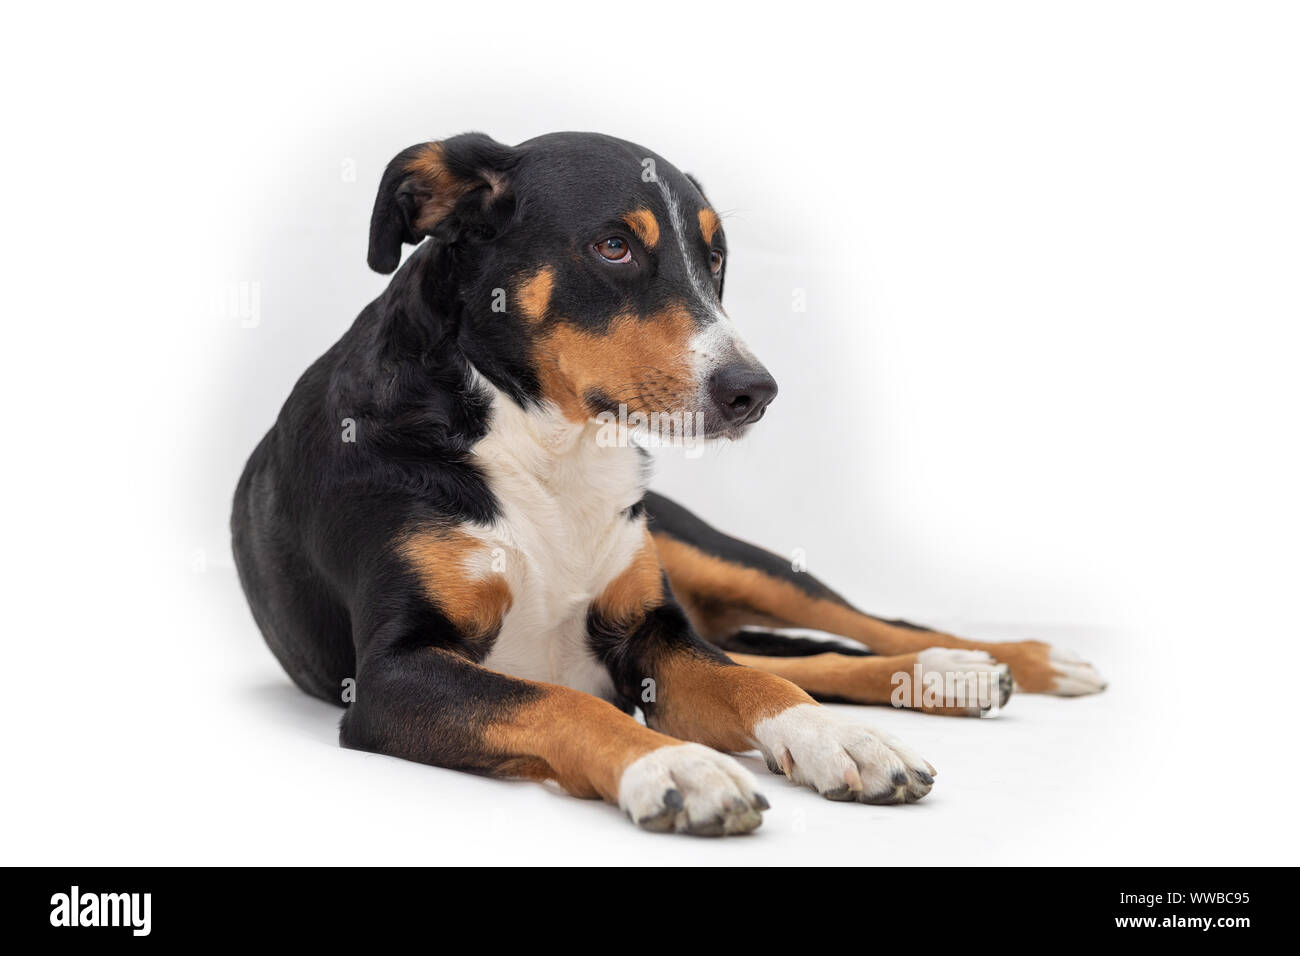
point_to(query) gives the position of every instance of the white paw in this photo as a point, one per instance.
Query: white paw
(841, 759)
(971, 681)
(1074, 676)
(690, 788)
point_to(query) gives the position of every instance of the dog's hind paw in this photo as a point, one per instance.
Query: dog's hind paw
(842, 759)
(1040, 668)
(964, 683)
(1074, 676)
(689, 788)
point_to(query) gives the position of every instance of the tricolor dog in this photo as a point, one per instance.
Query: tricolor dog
(433, 517)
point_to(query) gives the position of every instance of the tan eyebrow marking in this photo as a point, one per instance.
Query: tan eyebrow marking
(709, 223)
(645, 225)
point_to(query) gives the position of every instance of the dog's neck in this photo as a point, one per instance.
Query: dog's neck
(539, 444)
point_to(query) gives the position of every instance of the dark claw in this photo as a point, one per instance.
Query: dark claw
(841, 793)
(659, 823)
(1005, 683)
(885, 797)
(924, 777)
(760, 801)
(711, 828)
(899, 779)
(673, 799)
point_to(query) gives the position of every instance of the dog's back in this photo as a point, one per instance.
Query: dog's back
(306, 624)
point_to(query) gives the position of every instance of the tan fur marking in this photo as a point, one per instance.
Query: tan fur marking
(535, 294)
(644, 363)
(866, 680)
(709, 223)
(863, 680)
(716, 704)
(1030, 661)
(474, 603)
(638, 587)
(721, 597)
(444, 189)
(579, 741)
(645, 225)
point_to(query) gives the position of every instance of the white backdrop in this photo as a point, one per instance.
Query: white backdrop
(1043, 383)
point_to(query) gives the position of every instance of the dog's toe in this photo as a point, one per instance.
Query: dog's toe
(1075, 677)
(963, 682)
(841, 759)
(689, 788)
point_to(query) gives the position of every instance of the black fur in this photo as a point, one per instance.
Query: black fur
(667, 517)
(477, 160)
(775, 644)
(633, 656)
(315, 515)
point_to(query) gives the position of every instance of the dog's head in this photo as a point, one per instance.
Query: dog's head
(584, 271)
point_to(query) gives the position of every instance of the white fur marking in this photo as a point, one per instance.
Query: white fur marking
(970, 679)
(718, 342)
(717, 795)
(840, 758)
(562, 533)
(1075, 676)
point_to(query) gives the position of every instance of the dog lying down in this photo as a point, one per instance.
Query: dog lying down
(435, 521)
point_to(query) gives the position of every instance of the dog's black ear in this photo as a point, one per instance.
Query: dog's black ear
(459, 182)
(696, 183)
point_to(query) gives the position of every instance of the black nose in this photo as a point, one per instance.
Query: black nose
(742, 392)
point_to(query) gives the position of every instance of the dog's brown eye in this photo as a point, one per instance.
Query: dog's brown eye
(715, 261)
(614, 249)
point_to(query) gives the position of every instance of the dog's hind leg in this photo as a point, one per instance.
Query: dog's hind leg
(726, 585)
(936, 680)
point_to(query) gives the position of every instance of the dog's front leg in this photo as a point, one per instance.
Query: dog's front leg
(689, 689)
(437, 707)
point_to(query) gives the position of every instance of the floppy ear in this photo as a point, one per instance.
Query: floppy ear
(455, 183)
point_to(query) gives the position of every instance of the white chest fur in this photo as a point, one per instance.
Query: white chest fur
(561, 538)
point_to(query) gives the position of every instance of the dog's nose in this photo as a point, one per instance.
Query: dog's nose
(742, 392)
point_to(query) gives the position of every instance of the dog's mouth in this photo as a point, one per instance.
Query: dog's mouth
(732, 400)
(690, 428)
(716, 428)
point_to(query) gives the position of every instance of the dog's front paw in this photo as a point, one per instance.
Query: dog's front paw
(689, 788)
(1040, 668)
(841, 759)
